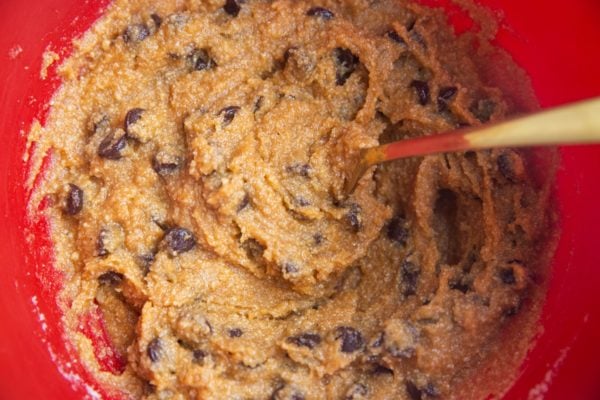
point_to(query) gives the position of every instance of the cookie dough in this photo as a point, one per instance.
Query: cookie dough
(199, 152)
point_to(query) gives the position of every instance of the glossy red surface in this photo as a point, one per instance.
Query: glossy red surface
(556, 42)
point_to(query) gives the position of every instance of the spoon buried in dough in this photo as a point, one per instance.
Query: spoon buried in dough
(577, 123)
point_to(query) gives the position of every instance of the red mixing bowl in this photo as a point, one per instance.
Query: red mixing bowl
(558, 43)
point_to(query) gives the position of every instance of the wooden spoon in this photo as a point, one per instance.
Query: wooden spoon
(577, 123)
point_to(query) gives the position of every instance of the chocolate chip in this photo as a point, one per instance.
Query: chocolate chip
(179, 240)
(308, 339)
(199, 356)
(393, 35)
(379, 369)
(396, 230)
(511, 311)
(254, 249)
(318, 238)
(505, 167)
(507, 276)
(346, 63)
(199, 59)
(320, 12)
(413, 391)
(431, 390)
(444, 96)
(483, 109)
(290, 268)
(74, 200)
(300, 169)
(358, 391)
(101, 249)
(301, 201)
(164, 163)
(232, 8)
(378, 342)
(235, 332)
(352, 339)
(460, 286)
(244, 203)
(136, 33)
(422, 91)
(145, 261)
(286, 392)
(228, 114)
(409, 273)
(354, 217)
(258, 104)
(154, 349)
(111, 278)
(132, 117)
(112, 145)
(156, 19)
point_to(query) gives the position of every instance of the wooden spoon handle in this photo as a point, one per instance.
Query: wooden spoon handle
(577, 123)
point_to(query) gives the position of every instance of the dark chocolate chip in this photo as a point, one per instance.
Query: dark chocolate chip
(235, 332)
(199, 356)
(258, 104)
(505, 167)
(145, 261)
(199, 59)
(154, 349)
(358, 391)
(164, 165)
(460, 286)
(346, 63)
(413, 391)
(379, 369)
(507, 276)
(111, 278)
(354, 217)
(254, 249)
(101, 249)
(511, 311)
(422, 91)
(156, 19)
(300, 169)
(352, 339)
(74, 200)
(290, 268)
(444, 96)
(378, 342)
(396, 230)
(244, 203)
(112, 145)
(286, 392)
(228, 114)
(405, 352)
(136, 33)
(320, 12)
(431, 390)
(301, 201)
(179, 240)
(232, 7)
(310, 340)
(483, 109)
(393, 36)
(410, 276)
(132, 117)
(318, 238)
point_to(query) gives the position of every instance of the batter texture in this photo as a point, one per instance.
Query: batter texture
(199, 152)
